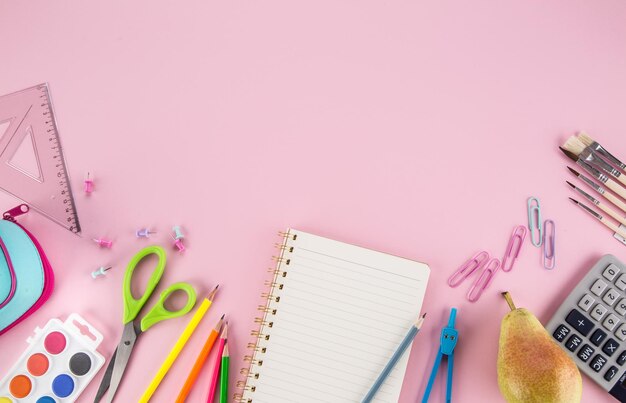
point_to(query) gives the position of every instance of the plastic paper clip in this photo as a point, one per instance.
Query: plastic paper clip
(549, 244)
(178, 238)
(474, 263)
(88, 184)
(103, 242)
(144, 233)
(512, 251)
(100, 272)
(484, 280)
(535, 223)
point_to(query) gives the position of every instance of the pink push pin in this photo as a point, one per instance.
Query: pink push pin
(178, 238)
(103, 242)
(144, 233)
(88, 184)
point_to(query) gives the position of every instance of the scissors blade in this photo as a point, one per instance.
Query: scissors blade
(106, 380)
(124, 350)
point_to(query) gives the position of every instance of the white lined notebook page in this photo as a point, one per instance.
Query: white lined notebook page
(342, 312)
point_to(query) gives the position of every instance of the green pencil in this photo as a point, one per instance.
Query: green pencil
(224, 375)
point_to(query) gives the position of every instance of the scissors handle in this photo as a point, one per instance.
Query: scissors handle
(132, 306)
(160, 313)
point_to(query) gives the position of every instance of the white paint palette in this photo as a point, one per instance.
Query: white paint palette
(61, 360)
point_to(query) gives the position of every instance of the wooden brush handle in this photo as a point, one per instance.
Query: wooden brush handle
(616, 187)
(612, 213)
(613, 227)
(616, 201)
(622, 179)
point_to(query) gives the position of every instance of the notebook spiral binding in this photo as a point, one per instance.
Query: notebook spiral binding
(264, 322)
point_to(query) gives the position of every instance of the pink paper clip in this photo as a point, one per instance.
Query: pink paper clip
(484, 280)
(474, 263)
(512, 252)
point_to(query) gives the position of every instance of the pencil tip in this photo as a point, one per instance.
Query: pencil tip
(222, 318)
(424, 315)
(575, 201)
(571, 184)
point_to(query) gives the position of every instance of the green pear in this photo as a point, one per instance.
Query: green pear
(531, 365)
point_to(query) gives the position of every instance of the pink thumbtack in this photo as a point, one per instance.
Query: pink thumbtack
(103, 242)
(178, 238)
(88, 184)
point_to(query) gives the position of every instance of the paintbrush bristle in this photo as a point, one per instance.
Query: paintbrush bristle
(574, 145)
(569, 154)
(575, 172)
(585, 139)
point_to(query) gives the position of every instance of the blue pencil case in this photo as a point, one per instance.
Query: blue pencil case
(26, 277)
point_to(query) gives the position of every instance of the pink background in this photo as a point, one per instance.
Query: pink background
(416, 128)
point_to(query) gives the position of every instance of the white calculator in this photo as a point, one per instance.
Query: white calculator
(590, 325)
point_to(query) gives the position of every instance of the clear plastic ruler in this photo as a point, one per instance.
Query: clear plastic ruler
(32, 166)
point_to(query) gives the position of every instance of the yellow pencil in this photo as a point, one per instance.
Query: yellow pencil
(180, 343)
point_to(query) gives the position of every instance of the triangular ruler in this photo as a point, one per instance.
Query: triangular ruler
(32, 166)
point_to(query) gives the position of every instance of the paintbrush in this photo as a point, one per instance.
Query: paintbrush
(607, 195)
(578, 149)
(595, 146)
(610, 183)
(600, 218)
(598, 203)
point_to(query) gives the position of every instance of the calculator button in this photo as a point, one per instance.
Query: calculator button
(579, 321)
(622, 358)
(586, 302)
(610, 272)
(599, 286)
(621, 282)
(610, 374)
(597, 337)
(573, 343)
(610, 347)
(585, 352)
(561, 332)
(621, 307)
(611, 296)
(610, 322)
(597, 363)
(620, 333)
(598, 312)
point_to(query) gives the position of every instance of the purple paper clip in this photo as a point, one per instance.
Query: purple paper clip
(474, 263)
(549, 244)
(519, 234)
(484, 280)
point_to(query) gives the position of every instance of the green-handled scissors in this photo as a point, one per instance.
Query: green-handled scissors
(133, 327)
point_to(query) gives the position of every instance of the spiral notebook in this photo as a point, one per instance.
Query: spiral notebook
(333, 316)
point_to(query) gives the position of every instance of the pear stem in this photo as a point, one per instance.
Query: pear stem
(509, 300)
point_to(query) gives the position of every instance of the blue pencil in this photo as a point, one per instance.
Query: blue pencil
(408, 339)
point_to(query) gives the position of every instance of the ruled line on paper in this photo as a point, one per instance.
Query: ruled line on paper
(330, 325)
(325, 347)
(344, 302)
(324, 391)
(333, 341)
(322, 374)
(360, 264)
(351, 363)
(339, 310)
(351, 279)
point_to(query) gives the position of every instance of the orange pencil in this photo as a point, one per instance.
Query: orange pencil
(195, 371)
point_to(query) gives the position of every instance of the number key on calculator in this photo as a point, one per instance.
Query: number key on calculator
(590, 325)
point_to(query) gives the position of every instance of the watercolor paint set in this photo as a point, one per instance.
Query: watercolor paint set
(61, 360)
